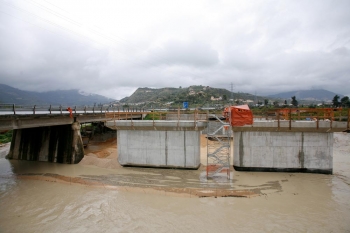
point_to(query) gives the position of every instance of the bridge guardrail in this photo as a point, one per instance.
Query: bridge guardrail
(317, 115)
(13, 109)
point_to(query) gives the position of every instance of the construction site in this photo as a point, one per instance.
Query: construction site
(208, 147)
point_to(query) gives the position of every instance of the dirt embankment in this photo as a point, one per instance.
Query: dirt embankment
(4, 149)
(102, 154)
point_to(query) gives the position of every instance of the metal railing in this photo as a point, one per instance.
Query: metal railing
(308, 114)
(13, 109)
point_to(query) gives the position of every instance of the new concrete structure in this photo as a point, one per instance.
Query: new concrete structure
(283, 151)
(190, 117)
(286, 145)
(295, 126)
(174, 144)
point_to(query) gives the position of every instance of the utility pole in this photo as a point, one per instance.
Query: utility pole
(232, 93)
(255, 99)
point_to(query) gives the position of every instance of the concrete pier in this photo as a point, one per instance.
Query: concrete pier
(283, 151)
(61, 144)
(286, 145)
(172, 144)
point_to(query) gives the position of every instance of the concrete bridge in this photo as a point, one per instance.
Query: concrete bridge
(25, 121)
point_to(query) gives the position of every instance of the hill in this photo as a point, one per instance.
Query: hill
(10, 95)
(311, 95)
(195, 95)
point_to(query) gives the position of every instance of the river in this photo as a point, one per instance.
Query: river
(31, 200)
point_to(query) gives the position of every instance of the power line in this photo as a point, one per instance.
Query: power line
(54, 12)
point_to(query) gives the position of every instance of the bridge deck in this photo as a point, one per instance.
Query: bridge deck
(295, 126)
(21, 121)
(9, 122)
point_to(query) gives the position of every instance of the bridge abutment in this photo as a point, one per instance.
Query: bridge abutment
(61, 144)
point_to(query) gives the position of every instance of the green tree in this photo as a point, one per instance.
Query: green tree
(335, 101)
(345, 101)
(312, 105)
(266, 102)
(294, 101)
(285, 102)
(224, 97)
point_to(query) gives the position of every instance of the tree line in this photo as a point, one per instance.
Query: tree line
(336, 102)
(344, 102)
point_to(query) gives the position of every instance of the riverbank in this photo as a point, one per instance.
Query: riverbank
(4, 149)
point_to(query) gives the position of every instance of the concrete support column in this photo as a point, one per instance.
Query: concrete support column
(283, 151)
(61, 144)
(171, 144)
(77, 144)
(152, 148)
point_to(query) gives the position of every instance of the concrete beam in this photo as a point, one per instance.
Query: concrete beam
(293, 126)
(174, 116)
(9, 122)
(157, 125)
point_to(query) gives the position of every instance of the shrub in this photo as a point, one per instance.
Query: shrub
(6, 137)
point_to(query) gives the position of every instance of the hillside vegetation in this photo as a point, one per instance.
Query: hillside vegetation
(196, 96)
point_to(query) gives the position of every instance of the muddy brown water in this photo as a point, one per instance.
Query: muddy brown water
(49, 197)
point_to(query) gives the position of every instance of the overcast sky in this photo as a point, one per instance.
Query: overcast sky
(114, 47)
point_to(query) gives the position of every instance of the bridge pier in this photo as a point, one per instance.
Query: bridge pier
(61, 144)
(167, 144)
(283, 151)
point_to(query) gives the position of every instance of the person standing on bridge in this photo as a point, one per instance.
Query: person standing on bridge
(70, 112)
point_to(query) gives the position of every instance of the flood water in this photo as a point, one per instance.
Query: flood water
(31, 201)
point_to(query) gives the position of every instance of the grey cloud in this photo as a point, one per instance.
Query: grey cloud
(264, 47)
(193, 53)
(47, 61)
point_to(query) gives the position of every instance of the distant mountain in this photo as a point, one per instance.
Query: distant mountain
(312, 95)
(12, 95)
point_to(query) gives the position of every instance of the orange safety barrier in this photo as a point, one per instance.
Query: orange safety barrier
(240, 115)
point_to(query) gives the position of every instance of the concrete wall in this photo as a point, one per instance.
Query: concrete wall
(153, 148)
(283, 151)
(191, 117)
(61, 144)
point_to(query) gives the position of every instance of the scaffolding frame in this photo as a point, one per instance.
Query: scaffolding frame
(219, 148)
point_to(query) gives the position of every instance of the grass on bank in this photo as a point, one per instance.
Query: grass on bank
(6, 136)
